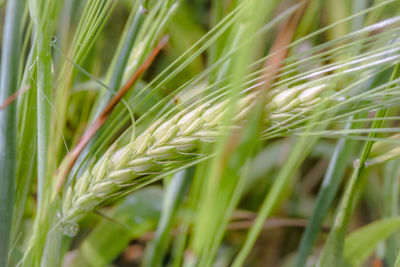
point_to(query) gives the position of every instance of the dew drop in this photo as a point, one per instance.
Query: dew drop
(356, 164)
(70, 229)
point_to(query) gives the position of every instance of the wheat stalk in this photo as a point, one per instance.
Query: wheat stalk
(165, 142)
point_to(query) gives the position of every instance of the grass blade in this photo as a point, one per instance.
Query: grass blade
(330, 185)
(332, 253)
(26, 144)
(10, 59)
(390, 207)
(135, 216)
(298, 154)
(362, 242)
(173, 197)
(42, 12)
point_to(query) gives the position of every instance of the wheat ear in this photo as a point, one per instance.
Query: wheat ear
(166, 143)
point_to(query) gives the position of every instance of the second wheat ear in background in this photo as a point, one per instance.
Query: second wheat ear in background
(71, 157)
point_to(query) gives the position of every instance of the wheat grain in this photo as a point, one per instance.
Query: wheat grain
(166, 143)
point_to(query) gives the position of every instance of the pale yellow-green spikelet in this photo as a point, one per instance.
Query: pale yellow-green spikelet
(192, 127)
(82, 184)
(243, 112)
(285, 97)
(142, 143)
(166, 131)
(212, 116)
(67, 199)
(188, 119)
(162, 153)
(142, 164)
(183, 144)
(309, 94)
(120, 176)
(103, 189)
(121, 156)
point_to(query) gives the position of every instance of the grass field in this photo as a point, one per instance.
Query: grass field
(199, 133)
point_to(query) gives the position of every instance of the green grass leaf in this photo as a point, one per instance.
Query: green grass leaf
(173, 197)
(332, 252)
(10, 59)
(360, 244)
(330, 185)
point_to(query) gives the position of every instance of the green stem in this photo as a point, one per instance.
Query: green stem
(172, 201)
(286, 176)
(271, 200)
(333, 250)
(116, 79)
(10, 59)
(330, 186)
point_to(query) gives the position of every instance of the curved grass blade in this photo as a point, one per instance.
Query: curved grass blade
(91, 24)
(71, 157)
(126, 45)
(397, 263)
(149, 30)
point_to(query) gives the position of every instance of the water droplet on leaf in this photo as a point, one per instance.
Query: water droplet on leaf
(356, 164)
(70, 229)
